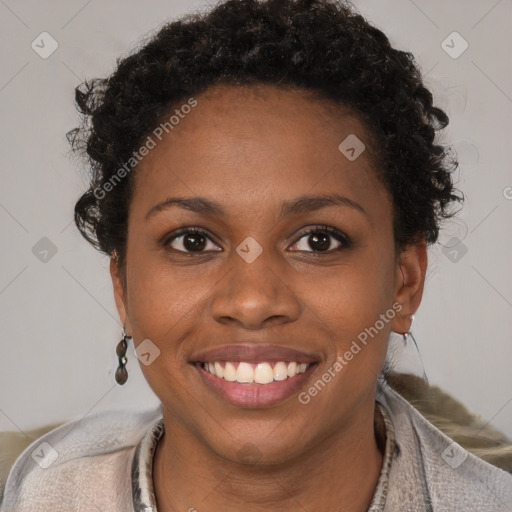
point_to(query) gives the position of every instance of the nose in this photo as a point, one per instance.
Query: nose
(255, 295)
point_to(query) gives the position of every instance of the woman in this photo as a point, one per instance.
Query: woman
(265, 180)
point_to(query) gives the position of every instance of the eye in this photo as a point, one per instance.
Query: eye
(320, 239)
(189, 240)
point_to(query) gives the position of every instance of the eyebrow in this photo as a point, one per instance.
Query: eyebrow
(298, 205)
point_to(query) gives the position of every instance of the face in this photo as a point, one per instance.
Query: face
(273, 276)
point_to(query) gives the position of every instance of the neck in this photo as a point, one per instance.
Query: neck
(341, 469)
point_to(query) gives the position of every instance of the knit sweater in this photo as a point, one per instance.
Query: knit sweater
(86, 465)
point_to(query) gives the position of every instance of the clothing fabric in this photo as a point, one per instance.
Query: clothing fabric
(104, 462)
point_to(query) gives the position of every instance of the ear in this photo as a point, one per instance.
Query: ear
(119, 294)
(410, 279)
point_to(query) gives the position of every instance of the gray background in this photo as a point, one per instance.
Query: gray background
(59, 325)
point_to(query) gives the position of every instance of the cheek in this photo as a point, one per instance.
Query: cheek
(164, 307)
(163, 299)
(348, 303)
(354, 294)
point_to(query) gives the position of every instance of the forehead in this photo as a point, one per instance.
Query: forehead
(240, 142)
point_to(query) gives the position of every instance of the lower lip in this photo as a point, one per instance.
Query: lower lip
(255, 395)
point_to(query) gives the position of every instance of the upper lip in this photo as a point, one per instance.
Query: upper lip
(253, 353)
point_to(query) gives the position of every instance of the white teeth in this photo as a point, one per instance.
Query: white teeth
(280, 371)
(245, 373)
(230, 372)
(219, 371)
(261, 373)
(292, 369)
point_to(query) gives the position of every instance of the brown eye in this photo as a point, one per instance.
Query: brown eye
(321, 239)
(189, 241)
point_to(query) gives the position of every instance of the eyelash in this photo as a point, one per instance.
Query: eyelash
(335, 233)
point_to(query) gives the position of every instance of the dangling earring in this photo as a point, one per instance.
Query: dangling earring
(405, 339)
(408, 334)
(121, 372)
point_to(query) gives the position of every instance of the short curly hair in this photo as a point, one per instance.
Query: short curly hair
(321, 46)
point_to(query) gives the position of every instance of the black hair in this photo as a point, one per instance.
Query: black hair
(317, 45)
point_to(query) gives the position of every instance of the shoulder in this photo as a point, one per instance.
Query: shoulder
(432, 472)
(83, 464)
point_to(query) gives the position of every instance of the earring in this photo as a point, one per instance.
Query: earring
(405, 339)
(408, 334)
(121, 372)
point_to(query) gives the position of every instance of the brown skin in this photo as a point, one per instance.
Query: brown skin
(250, 150)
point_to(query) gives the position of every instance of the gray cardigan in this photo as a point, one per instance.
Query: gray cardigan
(85, 465)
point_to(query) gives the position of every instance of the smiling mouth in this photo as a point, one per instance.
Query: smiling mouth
(255, 384)
(254, 375)
(259, 373)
